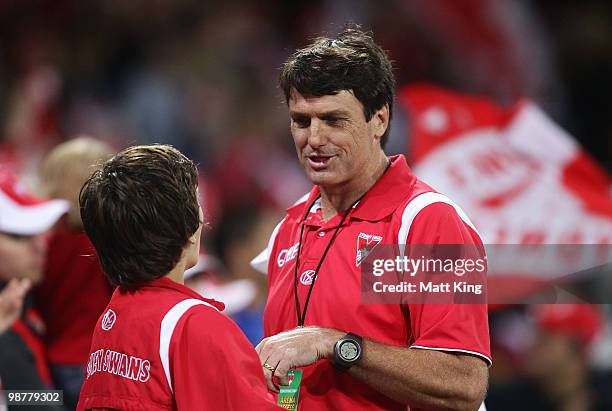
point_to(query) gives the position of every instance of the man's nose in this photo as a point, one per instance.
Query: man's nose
(316, 135)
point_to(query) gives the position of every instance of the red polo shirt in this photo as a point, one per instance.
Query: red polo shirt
(402, 210)
(164, 347)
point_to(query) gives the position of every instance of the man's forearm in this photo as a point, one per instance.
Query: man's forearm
(424, 378)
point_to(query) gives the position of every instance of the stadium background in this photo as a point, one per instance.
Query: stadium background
(202, 76)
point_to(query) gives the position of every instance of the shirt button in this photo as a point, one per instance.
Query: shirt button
(321, 233)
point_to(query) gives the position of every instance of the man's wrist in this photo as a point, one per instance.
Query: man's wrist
(331, 336)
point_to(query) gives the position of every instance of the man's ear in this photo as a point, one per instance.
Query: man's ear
(381, 121)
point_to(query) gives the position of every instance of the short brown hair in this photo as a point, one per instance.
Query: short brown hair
(352, 61)
(139, 210)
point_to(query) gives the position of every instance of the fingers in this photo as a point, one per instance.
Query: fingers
(269, 369)
(294, 348)
(11, 301)
(24, 286)
(17, 288)
(15, 292)
(258, 348)
(280, 374)
(275, 369)
(276, 375)
(266, 364)
(263, 353)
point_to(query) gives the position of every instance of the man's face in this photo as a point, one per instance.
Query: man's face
(22, 256)
(334, 142)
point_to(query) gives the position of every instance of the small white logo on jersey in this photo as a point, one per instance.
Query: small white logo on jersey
(108, 320)
(307, 276)
(287, 255)
(365, 245)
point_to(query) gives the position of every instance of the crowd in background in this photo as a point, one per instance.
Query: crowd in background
(202, 76)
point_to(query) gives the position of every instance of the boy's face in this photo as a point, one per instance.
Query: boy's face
(22, 256)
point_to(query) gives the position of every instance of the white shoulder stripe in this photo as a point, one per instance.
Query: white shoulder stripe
(302, 199)
(167, 329)
(414, 207)
(260, 263)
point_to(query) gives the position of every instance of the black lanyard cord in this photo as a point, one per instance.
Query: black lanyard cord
(302, 317)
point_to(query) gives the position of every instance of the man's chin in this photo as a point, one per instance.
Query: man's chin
(321, 178)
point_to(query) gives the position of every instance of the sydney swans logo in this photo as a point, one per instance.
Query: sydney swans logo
(365, 245)
(108, 320)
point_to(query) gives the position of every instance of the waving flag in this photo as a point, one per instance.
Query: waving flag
(519, 176)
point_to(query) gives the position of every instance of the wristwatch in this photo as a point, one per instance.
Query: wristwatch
(347, 351)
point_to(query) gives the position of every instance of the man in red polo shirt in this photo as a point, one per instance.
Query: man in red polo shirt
(359, 356)
(159, 345)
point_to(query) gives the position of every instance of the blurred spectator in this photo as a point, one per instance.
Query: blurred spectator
(11, 301)
(31, 121)
(67, 166)
(243, 232)
(558, 360)
(208, 278)
(543, 360)
(74, 291)
(24, 223)
(253, 170)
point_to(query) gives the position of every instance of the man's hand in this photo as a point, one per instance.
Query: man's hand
(295, 348)
(11, 301)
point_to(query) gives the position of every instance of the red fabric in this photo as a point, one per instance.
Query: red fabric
(71, 297)
(591, 183)
(582, 322)
(461, 327)
(229, 367)
(507, 162)
(37, 348)
(211, 364)
(442, 116)
(336, 297)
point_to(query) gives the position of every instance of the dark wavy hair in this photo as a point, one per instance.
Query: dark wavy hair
(352, 61)
(139, 210)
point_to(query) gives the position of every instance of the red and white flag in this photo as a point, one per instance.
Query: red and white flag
(519, 176)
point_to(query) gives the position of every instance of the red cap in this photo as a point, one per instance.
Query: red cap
(22, 213)
(580, 321)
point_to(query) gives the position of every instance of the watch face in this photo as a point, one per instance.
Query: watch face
(349, 350)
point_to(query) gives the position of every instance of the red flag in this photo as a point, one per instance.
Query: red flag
(519, 176)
